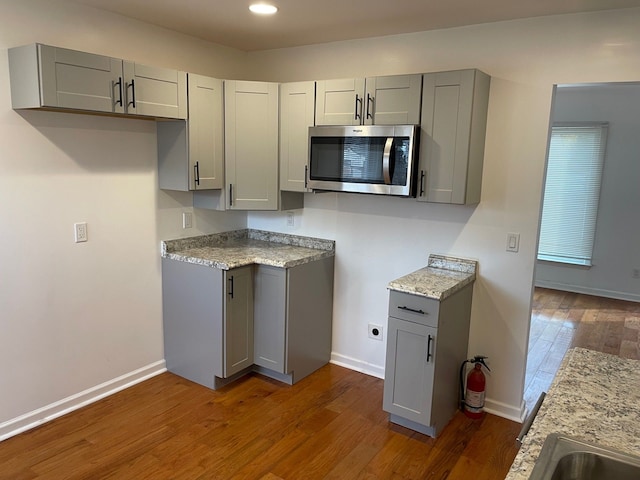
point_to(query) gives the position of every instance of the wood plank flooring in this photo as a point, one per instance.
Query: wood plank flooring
(563, 320)
(328, 426)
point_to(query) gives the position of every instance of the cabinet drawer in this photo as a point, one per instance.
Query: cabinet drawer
(413, 308)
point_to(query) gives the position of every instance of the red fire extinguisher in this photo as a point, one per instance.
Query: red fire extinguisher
(472, 398)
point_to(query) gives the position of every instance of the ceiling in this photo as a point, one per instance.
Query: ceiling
(305, 22)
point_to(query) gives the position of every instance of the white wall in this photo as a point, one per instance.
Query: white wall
(616, 251)
(77, 320)
(378, 239)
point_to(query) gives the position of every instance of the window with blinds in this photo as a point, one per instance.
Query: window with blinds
(572, 192)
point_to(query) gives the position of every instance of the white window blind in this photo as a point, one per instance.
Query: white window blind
(572, 192)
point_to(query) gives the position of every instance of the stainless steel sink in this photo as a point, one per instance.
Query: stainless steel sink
(567, 458)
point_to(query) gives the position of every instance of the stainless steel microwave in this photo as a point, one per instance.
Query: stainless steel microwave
(377, 159)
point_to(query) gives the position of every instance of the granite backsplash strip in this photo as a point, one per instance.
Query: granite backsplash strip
(455, 264)
(443, 277)
(244, 247)
(594, 397)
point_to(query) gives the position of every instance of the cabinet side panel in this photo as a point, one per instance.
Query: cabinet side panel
(478, 133)
(453, 339)
(309, 316)
(173, 165)
(24, 76)
(192, 320)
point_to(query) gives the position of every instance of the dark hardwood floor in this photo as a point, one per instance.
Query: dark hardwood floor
(563, 320)
(328, 426)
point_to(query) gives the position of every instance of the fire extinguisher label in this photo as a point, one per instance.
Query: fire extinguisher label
(474, 401)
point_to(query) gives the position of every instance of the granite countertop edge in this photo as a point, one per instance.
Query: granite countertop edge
(228, 250)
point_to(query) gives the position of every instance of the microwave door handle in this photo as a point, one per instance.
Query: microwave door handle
(386, 160)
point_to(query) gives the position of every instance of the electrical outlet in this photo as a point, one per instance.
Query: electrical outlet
(80, 232)
(635, 273)
(375, 332)
(291, 219)
(187, 219)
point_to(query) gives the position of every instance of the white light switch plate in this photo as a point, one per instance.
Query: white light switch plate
(513, 242)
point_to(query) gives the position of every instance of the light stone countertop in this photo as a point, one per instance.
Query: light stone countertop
(442, 277)
(245, 247)
(595, 397)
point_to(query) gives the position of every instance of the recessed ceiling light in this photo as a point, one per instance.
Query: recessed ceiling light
(263, 8)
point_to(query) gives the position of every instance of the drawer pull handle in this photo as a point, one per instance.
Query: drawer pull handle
(421, 312)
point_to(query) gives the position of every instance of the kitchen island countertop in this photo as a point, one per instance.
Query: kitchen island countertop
(595, 397)
(245, 247)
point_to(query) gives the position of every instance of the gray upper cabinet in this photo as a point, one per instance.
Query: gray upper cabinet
(43, 76)
(51, 77)
(339, 102)
(251, 145)
(454, 118)
(297, 114)
(154, 91)
(393, 100)
(390, 100)
(191, 153)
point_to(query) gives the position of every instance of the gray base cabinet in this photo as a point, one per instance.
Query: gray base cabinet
(237, 316)
(219, 325)
(426, 344)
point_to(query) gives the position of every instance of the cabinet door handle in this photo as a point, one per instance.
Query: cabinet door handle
(306, 176)
(196, 171)
(358, 110)
(231, 194)
(133, 93)
(429, 354)
(421, 312)
(119, 83)
(369, 101)
(422, 175)
(231, 286)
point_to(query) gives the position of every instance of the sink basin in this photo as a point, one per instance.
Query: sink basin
(567, 458)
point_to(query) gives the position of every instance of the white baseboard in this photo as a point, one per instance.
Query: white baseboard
(598, 292)
(357, 365)
(503, 410)
(57, 409)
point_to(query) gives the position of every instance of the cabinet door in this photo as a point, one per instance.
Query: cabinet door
(393, 100)
(238, 320)
(154, 91)
(297, 114)
(251, 145)
(270, 318)
(409, 370)
(206, 133)
(454, 113)
(340, 102)
(81, 81)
